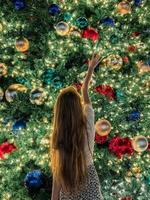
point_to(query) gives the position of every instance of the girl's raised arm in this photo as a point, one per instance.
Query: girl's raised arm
(84, 89)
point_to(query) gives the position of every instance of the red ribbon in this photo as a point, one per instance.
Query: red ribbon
(120, 146)
(106, 90)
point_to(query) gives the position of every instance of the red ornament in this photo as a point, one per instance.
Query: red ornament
(120, 146)
(100, 139)
(90, 33)
(77, 85)
(125, 59)
(136, 34)
(126, 198)
(6, 147)
(106, 90)
(132, 48)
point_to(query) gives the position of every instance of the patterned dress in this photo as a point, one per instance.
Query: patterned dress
(92, 189)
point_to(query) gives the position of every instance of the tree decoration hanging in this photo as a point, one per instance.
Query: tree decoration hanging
(13, 90)
(140, 143)
(22, 44)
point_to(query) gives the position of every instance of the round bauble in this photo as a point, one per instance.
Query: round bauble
(22, 44)
(3, 70)
(114, 61)
(13, 90)
(1, 94)
(124, 7)
(103, 127)
(62, 28)
(140, 143)
(37, 96)
(54, 9)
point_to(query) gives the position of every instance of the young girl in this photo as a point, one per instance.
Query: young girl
(72, 144)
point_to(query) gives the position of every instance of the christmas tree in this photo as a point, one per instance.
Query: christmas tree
(45, 46)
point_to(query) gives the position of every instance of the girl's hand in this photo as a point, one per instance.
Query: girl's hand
(94, 61)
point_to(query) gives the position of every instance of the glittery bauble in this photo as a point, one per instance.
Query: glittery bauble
(81, 22)
(19, 4)
(34, 181)
(137, 2)
(67, 16)
(22, 44)
(142, 67)
(114, 39)
(1, 94)
(12, 91)
(3, 69)
(108, 21)
(75, 32)
(18, 125)
(54, 9)
(124, 7)
(82, 75)
(62, 28)
(140, 143)
(114, 61)
(103, 127)
(37, 96)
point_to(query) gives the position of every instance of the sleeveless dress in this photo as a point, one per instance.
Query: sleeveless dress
(91, 190)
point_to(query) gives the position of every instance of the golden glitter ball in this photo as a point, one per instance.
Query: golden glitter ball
(103, 127)
(113, 61)
(1, 94)
(22, 44)
(3, 69)
(124, 7)
(139, 143)
(62, 28)
(12, 91)
(37, 96)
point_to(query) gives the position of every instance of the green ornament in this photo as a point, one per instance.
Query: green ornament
(81, 22)
(114, 39)
(67, 16)
(21, 80)
(148, 180)
(120, 96)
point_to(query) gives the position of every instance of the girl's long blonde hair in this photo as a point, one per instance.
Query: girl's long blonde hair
(68, 163)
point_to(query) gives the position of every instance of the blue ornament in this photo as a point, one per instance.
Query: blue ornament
(81, 22)
(108, 21)
(34, 180)
(147, 62)
(19, 4)
(133, 116)
(137, 2)
(19, 124)
(54, 9)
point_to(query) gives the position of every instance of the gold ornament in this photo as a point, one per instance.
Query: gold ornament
(22, 44)
(139, 143)
(74, 31)
(12, 91)
(1, 94)
(3, 69)
(62, 28)
(37, 96)
(103, 127)
(82, 75)
(143, 68)
(124, 7)
(136, 170)
(114, 61)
